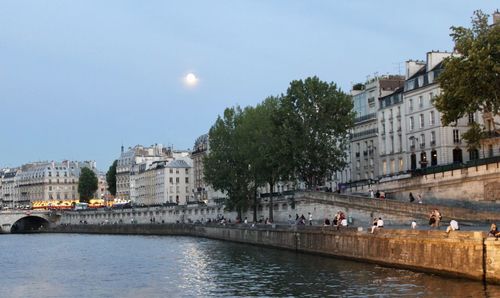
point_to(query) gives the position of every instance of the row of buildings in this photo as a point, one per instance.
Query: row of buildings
(398, 130)
(43, 181)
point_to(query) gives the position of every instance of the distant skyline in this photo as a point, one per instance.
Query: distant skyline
(80, 78)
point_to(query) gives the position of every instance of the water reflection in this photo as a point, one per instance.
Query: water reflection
(54, 265)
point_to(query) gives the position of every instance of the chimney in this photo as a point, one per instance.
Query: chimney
(412, 67)
(434, 57)
(496, 17)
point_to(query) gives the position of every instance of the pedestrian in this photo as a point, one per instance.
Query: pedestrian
(413, 225)
(453, 226)
(372, 195)
(438, 217)
(310, 218)
(377, 194)
(411, 198)
(493, 231)
(419, 198)
(246, 221)
(379, 225)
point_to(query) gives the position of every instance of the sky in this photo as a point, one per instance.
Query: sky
(79, 79)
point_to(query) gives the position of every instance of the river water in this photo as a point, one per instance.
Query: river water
(73, 265)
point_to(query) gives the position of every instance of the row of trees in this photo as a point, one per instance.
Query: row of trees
(300, 135)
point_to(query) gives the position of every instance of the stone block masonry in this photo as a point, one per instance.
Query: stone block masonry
(462, 254)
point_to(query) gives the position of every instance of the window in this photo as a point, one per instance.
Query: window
(456, 136)
(433, 138)
(384, 167)
(171, 171)
(176, 179)
(422, 141)
(421, 101)
(421, 118)
(171, 180)
(431, 118)
(401, 164)
(187, 171)
(177, 171)
(410, 104)
(393, 166)
(411, 123)
(187, 179)
(471, 118)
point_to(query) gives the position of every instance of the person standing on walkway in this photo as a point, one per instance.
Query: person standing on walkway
(419, 198)
(310, 219)
(411, 198)
(372, 195)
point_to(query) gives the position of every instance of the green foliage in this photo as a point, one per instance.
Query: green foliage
(314, 119)
(225, 167)
(87, 184)
(111, 178)
(473, 136)
(303, 134)
(470, 81)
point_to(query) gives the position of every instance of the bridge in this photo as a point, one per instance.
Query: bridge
(26, 221)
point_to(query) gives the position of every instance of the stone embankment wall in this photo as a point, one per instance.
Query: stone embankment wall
(463, 254)
(475, 183)
(321, 205)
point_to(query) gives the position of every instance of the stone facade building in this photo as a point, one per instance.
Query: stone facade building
(364, 138)
(159, 182)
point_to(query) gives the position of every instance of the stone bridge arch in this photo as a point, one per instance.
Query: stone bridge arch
(26, 221)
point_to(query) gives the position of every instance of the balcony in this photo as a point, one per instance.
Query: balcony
(456, 141)
(365, 117)
(412, 147)
(364, 134)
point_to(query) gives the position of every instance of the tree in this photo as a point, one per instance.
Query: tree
(87, 184)
(470, 81)
(111, 178)
(262, 148)
(225, 167)
(314, 118)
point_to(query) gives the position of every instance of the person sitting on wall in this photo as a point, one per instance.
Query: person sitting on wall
(453, 226)
(432, 219)
(326, 223)
(493, 231)
(380, 224)
(411, 198)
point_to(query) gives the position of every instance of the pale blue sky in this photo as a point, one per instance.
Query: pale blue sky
(79, 78)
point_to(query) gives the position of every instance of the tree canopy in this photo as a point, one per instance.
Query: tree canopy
(87, 184)
(470, 81)
(302, 134)
(314, 119)
(111, 178)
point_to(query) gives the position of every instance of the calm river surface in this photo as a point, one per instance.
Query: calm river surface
(73, 265)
